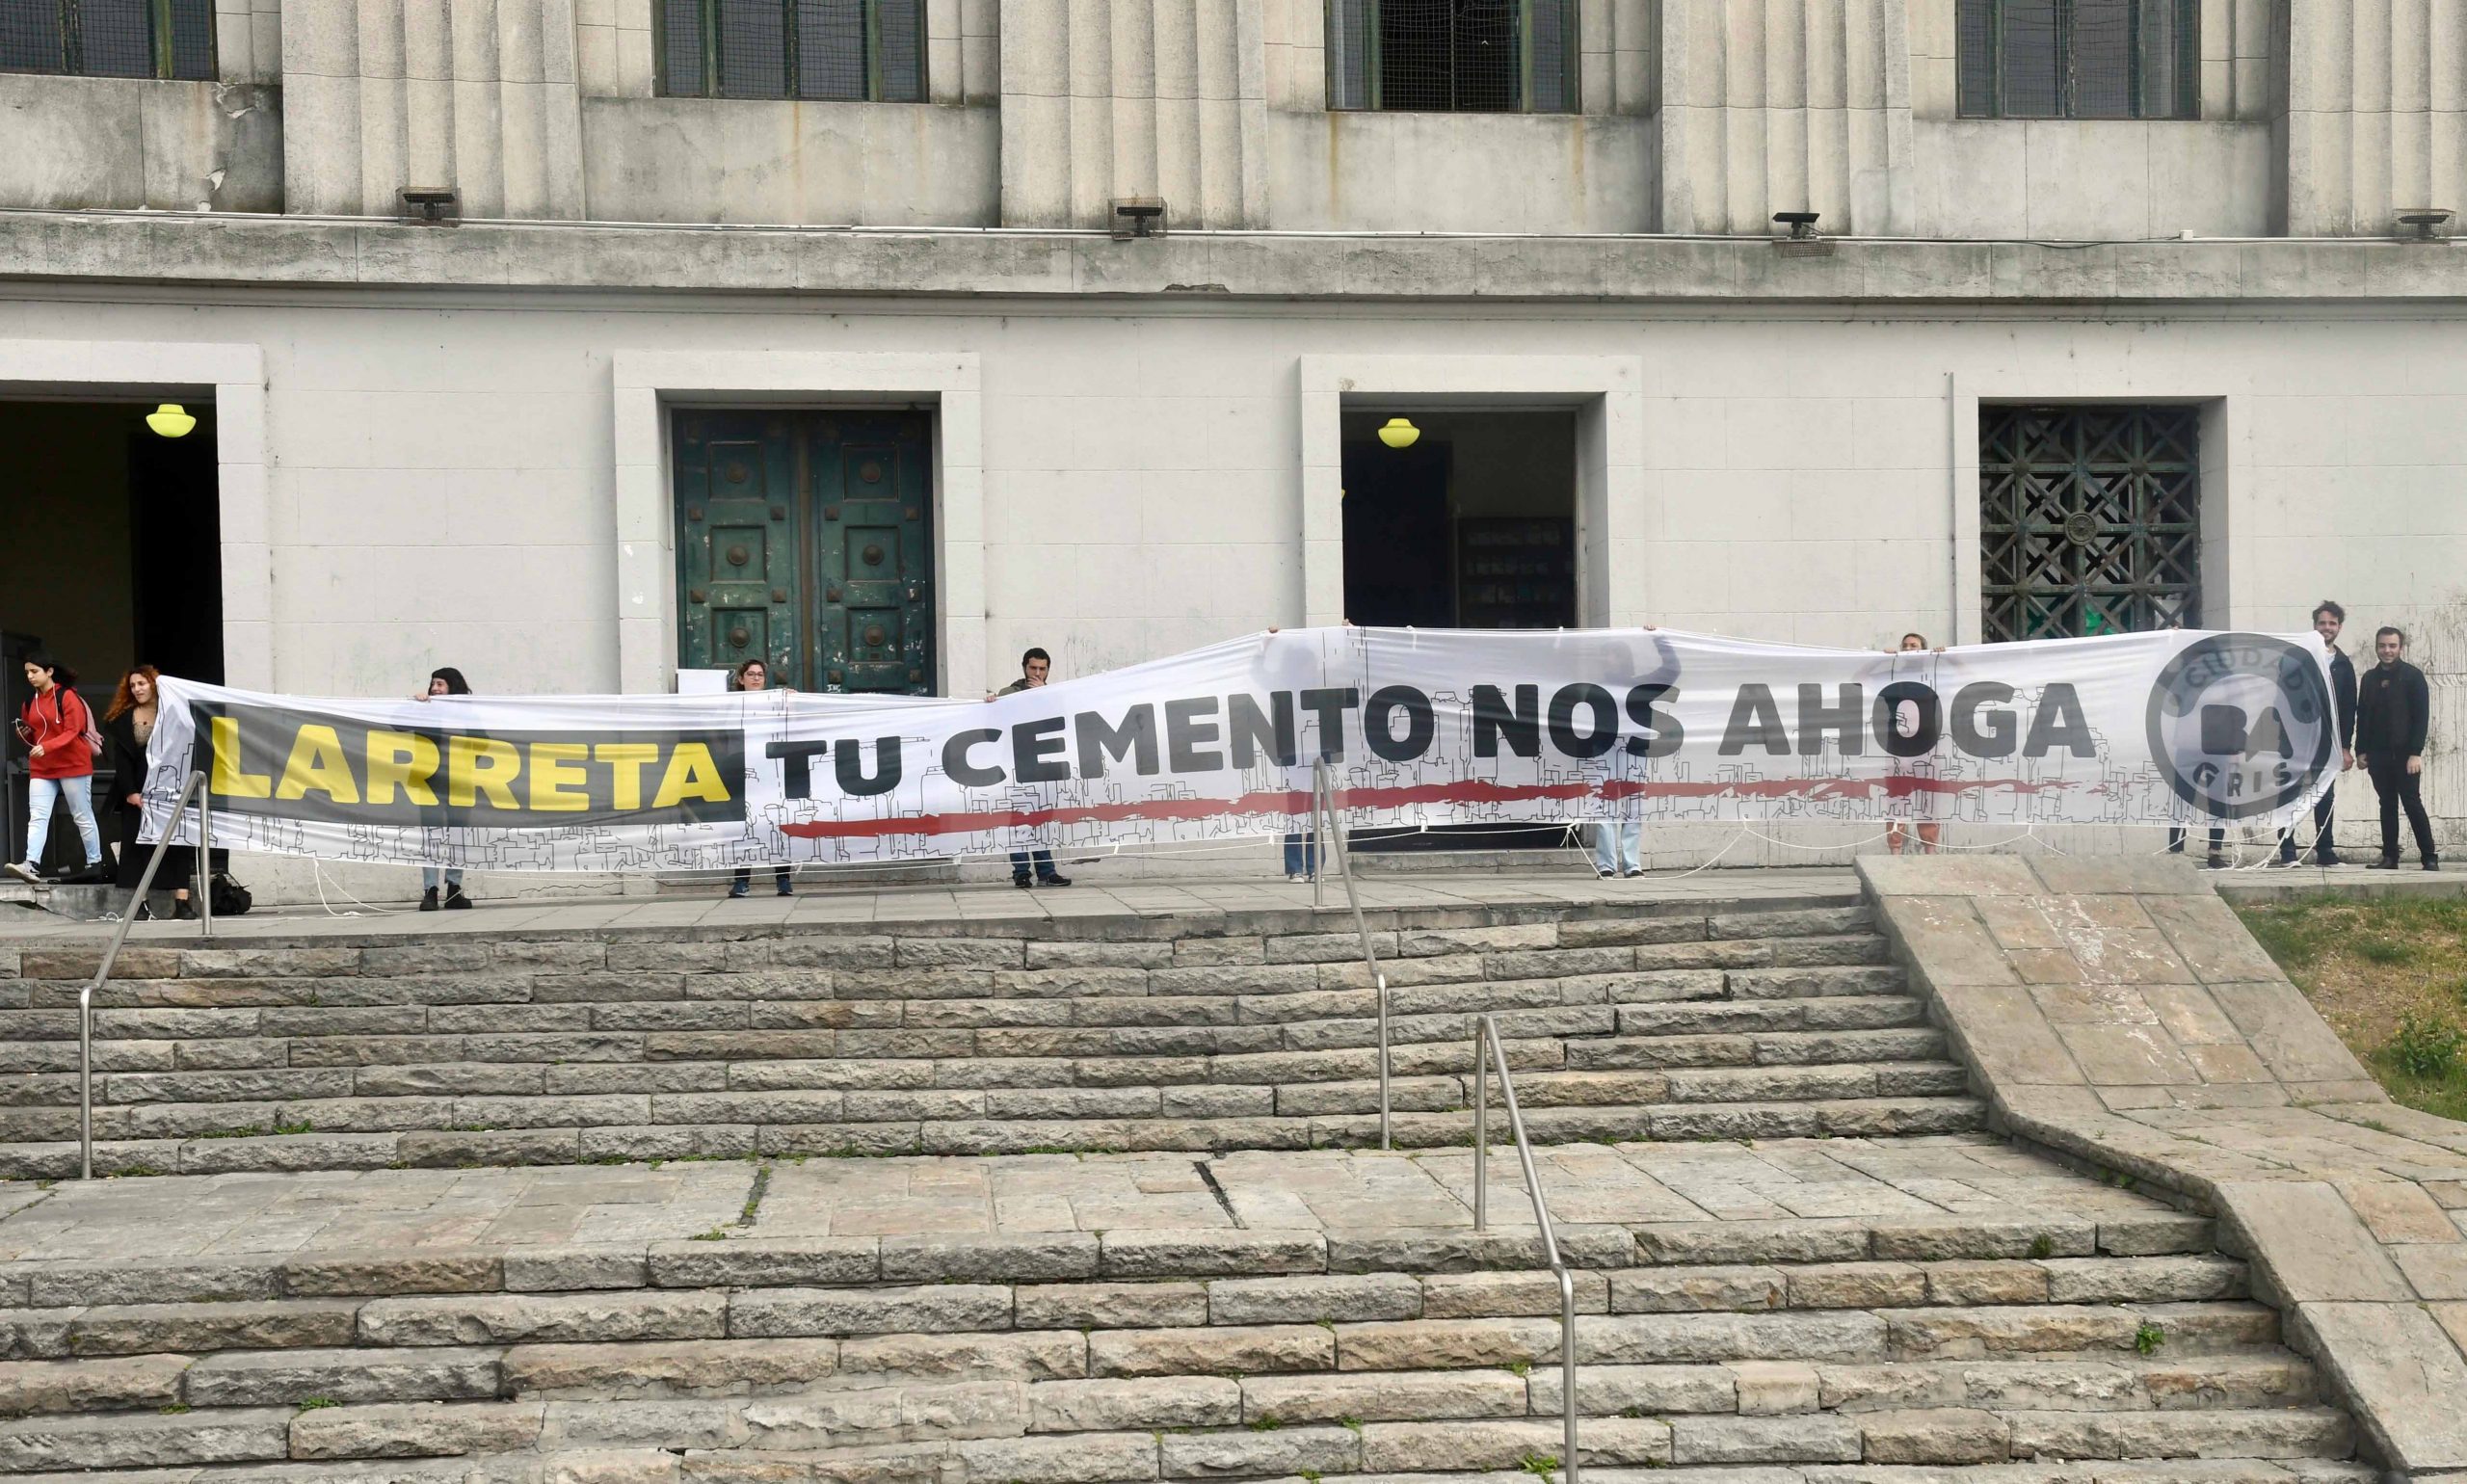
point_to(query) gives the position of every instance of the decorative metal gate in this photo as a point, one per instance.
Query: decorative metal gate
(2089, 519)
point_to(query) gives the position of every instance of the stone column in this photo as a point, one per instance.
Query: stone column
(1108, 98)
(480, 96)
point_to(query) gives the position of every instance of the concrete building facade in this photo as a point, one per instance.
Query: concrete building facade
(914, 392)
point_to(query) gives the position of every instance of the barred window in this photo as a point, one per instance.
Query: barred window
(1454, 56)
(172, 38)
(843, 50)
(2080, 59)
(2089, 519)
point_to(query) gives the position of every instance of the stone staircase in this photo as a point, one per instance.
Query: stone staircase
(1668, 1020)
(2113, 1345)
(1799, 1258)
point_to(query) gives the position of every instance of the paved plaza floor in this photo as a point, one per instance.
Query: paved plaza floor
(1919, 1181)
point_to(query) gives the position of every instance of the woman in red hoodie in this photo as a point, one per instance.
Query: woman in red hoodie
(54, 726)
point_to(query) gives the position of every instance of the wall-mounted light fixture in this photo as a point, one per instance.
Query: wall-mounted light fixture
(432, 207)
(1399, 433)
(1139, 216)
(1802, 241)
(2424, 223)
(172, 420)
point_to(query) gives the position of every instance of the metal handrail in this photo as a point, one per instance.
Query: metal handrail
(203, 886)
(1486, 1028)
(1323, 806)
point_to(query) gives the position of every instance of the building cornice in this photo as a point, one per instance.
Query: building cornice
(180, 249)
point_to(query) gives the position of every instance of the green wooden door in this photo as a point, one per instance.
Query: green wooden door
(736, 542)
(873, 605)
(804, 537)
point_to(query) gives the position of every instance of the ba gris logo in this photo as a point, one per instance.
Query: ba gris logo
(2241, 724)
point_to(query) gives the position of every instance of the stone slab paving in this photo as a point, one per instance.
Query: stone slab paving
(620, 1206)
(2118, 1012)
(985, 904)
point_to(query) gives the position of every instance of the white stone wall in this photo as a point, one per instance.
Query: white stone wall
(441, 480)
(83, 143)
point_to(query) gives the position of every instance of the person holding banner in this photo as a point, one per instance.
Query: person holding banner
(1906, 721)
(751, 675)
(60, 737)
(2394, 711)
(129, 725)
(1034, 666)
(2328, 617)
(445, 680)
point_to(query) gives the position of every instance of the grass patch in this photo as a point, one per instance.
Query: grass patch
(2390, 977)
(2147, 1339)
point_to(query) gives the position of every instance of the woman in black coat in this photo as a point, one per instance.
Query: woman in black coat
(127, 726)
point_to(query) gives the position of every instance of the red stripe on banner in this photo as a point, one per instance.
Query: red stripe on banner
(1294, 801)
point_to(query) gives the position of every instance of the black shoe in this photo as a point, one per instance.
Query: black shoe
(428, 900)
(455, 901)
(184, 910)
(1021, 882)
(2325, 857)
(1051, 880)
(142, 914)
(2385, 863)
(2217, 862)
(2432, 862)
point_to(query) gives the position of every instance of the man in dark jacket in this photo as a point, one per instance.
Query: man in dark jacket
(2328, 617)
(1034, 668)
(2393, 709)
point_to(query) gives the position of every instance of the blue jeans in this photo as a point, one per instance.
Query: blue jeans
(429, 874)
(1618, 843)
(1301, 855)
(80, 794)
(1021, 859)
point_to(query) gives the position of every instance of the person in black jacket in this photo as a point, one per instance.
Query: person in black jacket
(2328, 617)
(2393, 709)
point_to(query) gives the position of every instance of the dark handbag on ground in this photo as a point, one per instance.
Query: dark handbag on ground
(228, 898)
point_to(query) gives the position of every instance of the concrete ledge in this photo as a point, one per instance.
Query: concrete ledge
(2118, 1013)
(184, 248)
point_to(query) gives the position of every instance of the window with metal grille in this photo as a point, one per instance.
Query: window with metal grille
(843, 50)
(1454, 56)
(172, 38)
(2089, 519)
(2080, 59)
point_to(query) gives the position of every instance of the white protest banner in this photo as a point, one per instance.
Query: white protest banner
(1417, 727)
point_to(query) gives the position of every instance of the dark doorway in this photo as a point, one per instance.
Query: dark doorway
(118, 562)
(1396, 536)
(1472, 525)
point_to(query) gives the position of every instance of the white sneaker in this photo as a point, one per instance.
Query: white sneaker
(1296, 877)
(24, 870)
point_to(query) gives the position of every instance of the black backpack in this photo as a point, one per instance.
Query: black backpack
(228, 898)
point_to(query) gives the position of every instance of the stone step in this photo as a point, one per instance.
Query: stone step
(988, 1433)
(1048, 1465)
(240, 1066)
(619, 1142)
(962, 972)
(637, 1026)
(1412, 1088)
(696, 1281)
(1058, 1372)
(1113, 941)
(52, 1308)
(387, 1080)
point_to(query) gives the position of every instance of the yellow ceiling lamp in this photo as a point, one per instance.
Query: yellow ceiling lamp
(172, 420)
(1399, 433)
